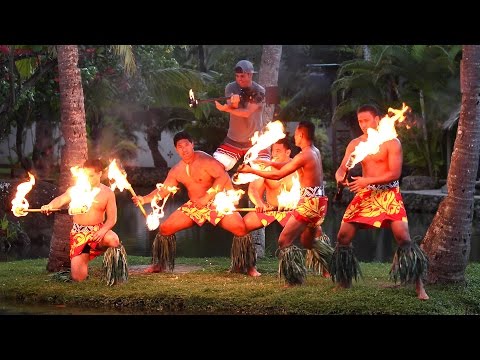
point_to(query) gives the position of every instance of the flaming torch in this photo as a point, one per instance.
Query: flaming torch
(288, 200)
(19, 203)
(119, 178)
(225, 201)
(81, 194)
(193, 102)
(384, 132)
(153, 219)
(272, 132)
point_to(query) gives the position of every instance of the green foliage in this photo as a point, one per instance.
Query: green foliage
(9, 231)
(425, 77)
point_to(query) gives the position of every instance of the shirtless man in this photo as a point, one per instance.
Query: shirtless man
(377, 203)
(255, 220)
(203, 177)
(91, 235)
(311, 209)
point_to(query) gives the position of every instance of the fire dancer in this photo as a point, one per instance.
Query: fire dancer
(273, 189)
(245, 107)
(91, 234)
(310, 210)
(377, 203)
(203, 178)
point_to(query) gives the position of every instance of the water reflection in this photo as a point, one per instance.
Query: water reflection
(210, 241)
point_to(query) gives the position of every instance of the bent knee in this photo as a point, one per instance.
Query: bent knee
(111, 239)
(166, 230)
(78, 277)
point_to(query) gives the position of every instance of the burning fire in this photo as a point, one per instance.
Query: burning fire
(272, 132)
(384, 132)
(118, 176)
(82, 194)
(153, 219)
(226, 200)
(193, 102)
(19, 203)
(289, 199)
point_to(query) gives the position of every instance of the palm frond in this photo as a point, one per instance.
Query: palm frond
(126, 53)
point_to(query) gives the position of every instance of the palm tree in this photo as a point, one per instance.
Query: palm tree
(268, 76)
(447, 241)
(74, 152)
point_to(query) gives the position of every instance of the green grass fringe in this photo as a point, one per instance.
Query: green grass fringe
(243, 254)
(344, 265)
(115, 267)
(163, 251)
(62, 276)
(318, 258)
(409, 264)
(292, 265)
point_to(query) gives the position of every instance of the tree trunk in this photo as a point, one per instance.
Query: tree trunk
(447, 241)
(42, 156)
(268, 76)
(74, 152)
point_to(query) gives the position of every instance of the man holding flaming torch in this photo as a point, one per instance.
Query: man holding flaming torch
(310, 210)
(91, 234)
(203, 177)
(245, 106)
(377, 203)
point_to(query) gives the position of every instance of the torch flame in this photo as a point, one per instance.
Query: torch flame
(193, 102)
(272, 132)
(384, 132)
(82, 194)
(19, 203)
(289, 199)
(153, 219)
(118, 176)
(225, 201)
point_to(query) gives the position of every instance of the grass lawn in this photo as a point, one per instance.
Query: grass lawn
(210, 289)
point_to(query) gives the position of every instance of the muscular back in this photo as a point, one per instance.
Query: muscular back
(311, 173)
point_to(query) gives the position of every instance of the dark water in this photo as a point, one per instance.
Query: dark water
(210, 241)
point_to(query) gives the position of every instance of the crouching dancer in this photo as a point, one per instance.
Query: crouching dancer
(91, 234)
(310, 211)
(203, 177)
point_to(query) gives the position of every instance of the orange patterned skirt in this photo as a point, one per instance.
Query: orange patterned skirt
(207, 213)
(268, 217)
(376, 206)
(81, 236)
(311, 210)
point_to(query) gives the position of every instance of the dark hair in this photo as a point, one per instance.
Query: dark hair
(95, 164)
(180, 136)
(309, 127)
(285, 142)
(372, 109)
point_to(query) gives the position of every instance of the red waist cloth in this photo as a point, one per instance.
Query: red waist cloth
(311, 210)
(81, 236)
(376, 208)
(268, 217)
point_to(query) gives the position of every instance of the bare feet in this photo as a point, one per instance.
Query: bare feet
(253, 272)
(421, 293)
(153, 269)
